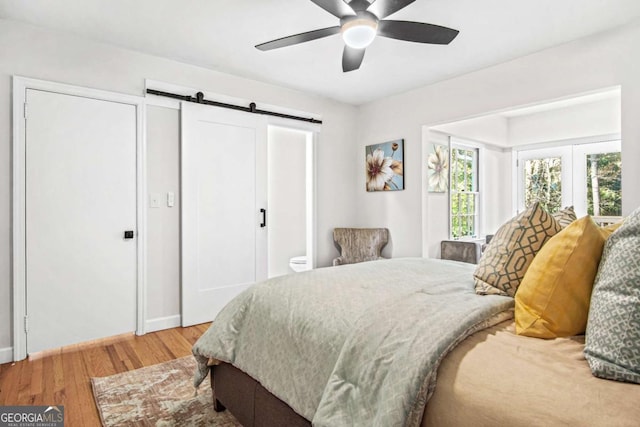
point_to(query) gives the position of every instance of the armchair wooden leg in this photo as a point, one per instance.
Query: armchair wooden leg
(217, 406)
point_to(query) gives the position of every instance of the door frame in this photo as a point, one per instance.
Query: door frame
(18, 261)
(312, 137)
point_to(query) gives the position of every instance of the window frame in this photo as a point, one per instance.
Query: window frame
(580, 153)
(573, 157)
(458, 144)
(566, 161)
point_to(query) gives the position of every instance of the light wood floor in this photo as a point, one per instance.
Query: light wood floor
(61, 376)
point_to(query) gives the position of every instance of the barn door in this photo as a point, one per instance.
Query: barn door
(224, 233)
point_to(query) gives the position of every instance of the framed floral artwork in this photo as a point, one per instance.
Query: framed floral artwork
(438, 168)
(385, 166)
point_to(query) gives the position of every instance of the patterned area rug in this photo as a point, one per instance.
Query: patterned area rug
(160, 395)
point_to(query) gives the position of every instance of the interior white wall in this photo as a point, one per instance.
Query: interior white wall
(163, 227)
(601, 117)
(48, 55)
(577, 121)
(286, 221)
(497, 190)
(493, 129)
(601, 61)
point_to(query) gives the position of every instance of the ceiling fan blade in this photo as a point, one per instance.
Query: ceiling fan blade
(352, 58)
(384, 8)
(416, 32)
(337, 8)
(298, 38)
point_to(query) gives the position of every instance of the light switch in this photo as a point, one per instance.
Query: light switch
(171, 199)
(154, 200)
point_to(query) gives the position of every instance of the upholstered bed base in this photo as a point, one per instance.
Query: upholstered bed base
(249, 401)
(492, 365)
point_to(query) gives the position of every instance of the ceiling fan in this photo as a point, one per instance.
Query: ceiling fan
(360, 22)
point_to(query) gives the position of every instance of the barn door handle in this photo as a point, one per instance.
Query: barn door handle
(128, 234)
(264, 217)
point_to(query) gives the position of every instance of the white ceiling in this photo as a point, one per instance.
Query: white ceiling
(221, 34)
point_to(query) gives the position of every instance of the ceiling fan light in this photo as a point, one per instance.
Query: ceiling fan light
(359, 33)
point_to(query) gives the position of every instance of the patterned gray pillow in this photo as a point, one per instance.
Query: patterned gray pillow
(613, 330)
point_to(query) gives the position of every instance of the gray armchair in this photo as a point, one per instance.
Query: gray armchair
(359, 244)
(461, 250)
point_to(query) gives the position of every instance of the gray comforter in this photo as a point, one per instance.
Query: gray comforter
(355, 345)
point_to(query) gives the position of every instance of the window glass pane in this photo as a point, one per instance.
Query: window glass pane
(604, 189)
(542, 180)
(459, 182)
(455, 227)
(469, 166)
(463, 204)
(464, 226)
(463, 191)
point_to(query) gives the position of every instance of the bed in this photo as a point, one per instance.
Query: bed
(397, 342)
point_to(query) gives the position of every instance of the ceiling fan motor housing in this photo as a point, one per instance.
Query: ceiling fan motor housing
(359, 30)
(359, 5)
(359, 17)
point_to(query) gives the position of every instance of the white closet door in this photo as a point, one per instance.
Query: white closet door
(224, 246)
(80, 198)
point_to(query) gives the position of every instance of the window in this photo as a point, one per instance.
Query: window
(464, 192)
(586, 176)
(543, 182)
(604, 186)
(545, 176)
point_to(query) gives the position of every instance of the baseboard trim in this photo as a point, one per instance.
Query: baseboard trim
(6, 355)
(161, 323)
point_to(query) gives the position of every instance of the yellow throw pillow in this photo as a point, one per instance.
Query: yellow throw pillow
(609, 229)
(553, 298)
(511, 251)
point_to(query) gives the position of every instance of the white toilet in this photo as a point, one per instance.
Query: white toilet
(298, 263)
